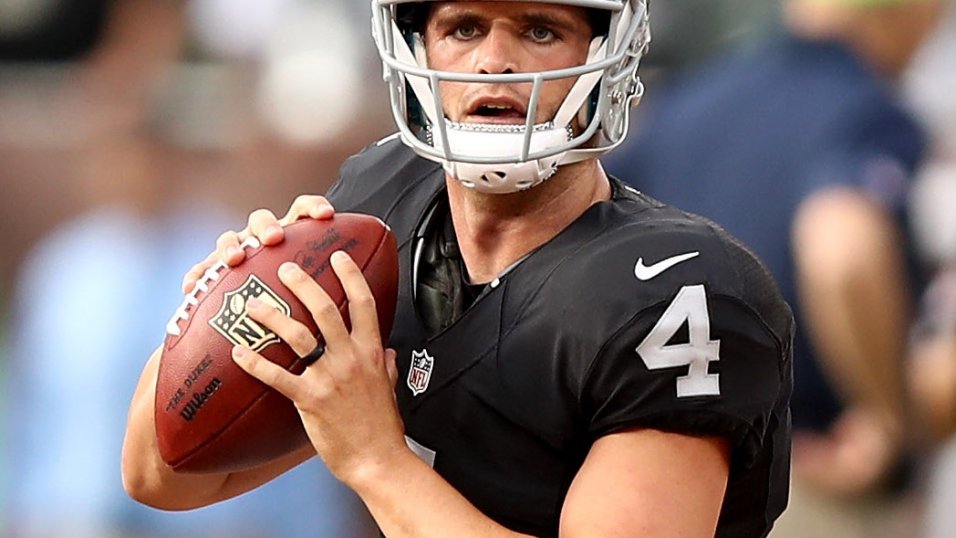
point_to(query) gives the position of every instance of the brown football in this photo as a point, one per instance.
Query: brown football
(210, 415)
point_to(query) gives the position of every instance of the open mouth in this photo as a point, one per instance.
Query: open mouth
(496, 111)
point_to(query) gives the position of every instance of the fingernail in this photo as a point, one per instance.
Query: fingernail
(254, 302)
(338, 256)
(238, 352)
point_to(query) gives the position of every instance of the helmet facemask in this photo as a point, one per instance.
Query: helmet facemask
(505, 158)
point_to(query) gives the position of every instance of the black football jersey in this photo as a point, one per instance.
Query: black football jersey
(637, 315)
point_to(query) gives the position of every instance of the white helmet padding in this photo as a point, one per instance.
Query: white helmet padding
(508, 158)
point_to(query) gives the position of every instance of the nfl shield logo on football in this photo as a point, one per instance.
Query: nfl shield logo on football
(420, 372)
(233, 321)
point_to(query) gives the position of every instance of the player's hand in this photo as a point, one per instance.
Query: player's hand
(264, 226)
(851, 459)
(932, 384)
(346, 399)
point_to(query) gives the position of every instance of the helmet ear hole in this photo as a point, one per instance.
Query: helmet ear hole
(590, 108)
(600, 21)
(413, 109)
(411, 18)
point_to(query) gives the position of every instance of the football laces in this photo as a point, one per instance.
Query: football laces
(202, 286)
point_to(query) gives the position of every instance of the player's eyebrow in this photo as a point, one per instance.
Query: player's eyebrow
(443, 19)
(548, 20)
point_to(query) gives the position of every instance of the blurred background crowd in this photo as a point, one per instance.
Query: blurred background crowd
(133, 132)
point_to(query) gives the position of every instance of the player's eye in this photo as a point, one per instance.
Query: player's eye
(465, 32)
(542, 34)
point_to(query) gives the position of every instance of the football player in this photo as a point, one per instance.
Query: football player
(569, 356)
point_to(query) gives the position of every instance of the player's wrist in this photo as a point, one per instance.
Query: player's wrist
(385, 467)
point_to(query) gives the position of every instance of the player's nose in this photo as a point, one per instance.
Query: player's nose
(497, 53)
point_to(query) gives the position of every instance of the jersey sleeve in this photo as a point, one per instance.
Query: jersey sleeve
(709, 356)
(377, 178)
(354, 184)
(667, 371)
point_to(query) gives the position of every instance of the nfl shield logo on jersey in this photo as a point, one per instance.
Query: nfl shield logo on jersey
(420, 371)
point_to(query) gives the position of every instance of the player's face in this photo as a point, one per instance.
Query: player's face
(501, 38)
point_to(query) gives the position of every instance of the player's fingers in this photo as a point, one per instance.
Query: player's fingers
(195, 272)
(267, 371)
(308, 205)
(264, 225)
(229, 248)
(293, 333)
(324, 310)
(362, 311)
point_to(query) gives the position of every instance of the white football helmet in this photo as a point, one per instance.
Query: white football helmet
(499, 158)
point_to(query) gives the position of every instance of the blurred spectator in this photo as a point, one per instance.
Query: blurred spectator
(928, 87)
(934, 387)
(687, 32)
(94, 295)
(933, 360)
(929, 84)
(151, 158)
(933, 370)
(801, 148)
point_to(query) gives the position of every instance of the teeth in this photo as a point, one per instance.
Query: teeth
(495, 107)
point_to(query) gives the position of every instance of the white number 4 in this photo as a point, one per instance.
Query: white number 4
(690, 305)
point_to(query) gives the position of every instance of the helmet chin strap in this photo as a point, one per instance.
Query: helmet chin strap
(487, 142)
(492, 140)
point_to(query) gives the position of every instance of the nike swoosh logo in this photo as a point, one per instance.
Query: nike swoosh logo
(647, 272)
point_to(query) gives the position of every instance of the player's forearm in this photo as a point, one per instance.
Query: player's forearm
(859, 333)
(932, 378)
(148, 479)
(878, 314)
(407, 498)
(853, 290)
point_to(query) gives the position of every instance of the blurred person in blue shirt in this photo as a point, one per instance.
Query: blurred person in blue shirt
(99, 287)
(800, 147)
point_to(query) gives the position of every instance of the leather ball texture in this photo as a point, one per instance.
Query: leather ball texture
(211, 416)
